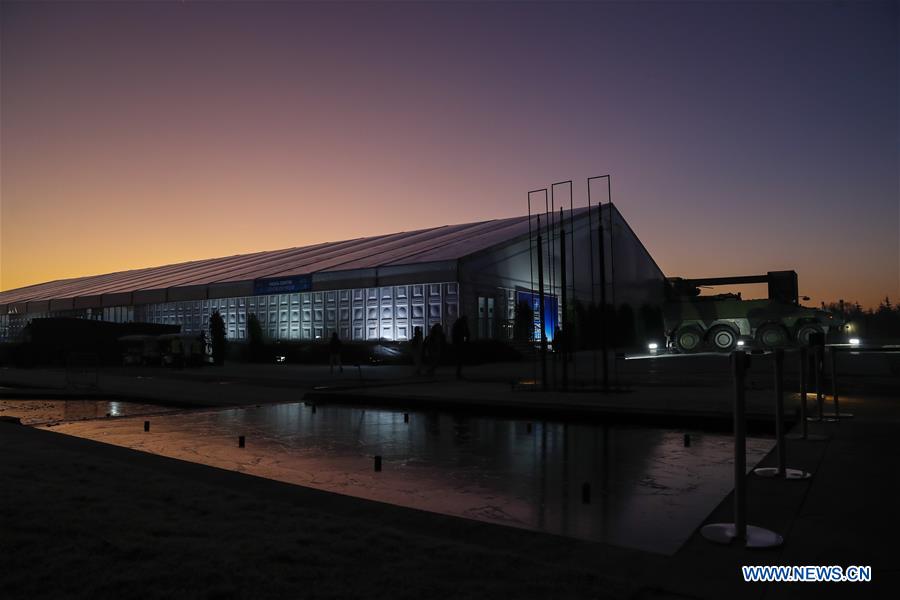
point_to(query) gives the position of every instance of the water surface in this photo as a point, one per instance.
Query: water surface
(647, 490)
(37, 411)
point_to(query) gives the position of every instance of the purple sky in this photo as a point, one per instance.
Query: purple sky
(741, 137)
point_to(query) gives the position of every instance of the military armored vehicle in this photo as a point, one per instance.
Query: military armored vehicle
(722, 322)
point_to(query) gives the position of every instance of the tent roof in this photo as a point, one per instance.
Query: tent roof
(436, 244)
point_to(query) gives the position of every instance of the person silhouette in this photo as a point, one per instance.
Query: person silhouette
(434, 344)
(417, 347)
(460, 336)
(334, 353)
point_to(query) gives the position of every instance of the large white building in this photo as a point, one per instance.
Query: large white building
(379, 287)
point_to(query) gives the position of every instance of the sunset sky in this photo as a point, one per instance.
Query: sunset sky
(741, 137)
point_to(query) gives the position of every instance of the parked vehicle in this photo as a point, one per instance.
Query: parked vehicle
(183, 349)
(171, 349)
(140, 350)
(722, 322)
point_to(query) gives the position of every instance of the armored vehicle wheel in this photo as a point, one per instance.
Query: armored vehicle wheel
(723, 338)
(806, 330)
(688, 339)
(772, 335)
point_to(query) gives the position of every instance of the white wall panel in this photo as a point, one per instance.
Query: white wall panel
(388, 312)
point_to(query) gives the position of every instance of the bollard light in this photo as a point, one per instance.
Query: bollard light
(854, 341)
(652, 346)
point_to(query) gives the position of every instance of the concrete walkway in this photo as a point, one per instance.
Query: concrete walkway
(846, 514)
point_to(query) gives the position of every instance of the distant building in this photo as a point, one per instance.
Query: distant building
(370, 288)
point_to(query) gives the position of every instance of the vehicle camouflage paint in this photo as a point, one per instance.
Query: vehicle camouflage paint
(719, 322)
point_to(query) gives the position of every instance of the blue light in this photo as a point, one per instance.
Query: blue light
(551, 313)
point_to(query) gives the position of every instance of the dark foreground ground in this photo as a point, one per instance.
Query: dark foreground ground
(87, 520)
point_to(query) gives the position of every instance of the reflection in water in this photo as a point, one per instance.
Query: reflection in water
(53, 411)
(647, 490)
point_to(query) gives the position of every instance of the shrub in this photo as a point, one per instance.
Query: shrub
(217, 338)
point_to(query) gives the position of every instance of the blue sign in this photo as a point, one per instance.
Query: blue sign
(282, 285)
(551, 313)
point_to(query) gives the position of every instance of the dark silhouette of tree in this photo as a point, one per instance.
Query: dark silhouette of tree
(877, 325)
(255, 338)
(651, 320)
(217, 338)
(624, 327)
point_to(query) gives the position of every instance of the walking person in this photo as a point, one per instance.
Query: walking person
(460, 336)
(334, 353)
(417, 346)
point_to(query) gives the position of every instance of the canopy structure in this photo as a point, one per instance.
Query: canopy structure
(370, 288)
(182, 280)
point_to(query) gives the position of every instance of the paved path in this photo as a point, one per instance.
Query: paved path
(846, 514)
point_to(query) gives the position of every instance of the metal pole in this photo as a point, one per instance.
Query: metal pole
(551, 251)
(551, 272)
(591, 258)
(820, 399)
(571, 340)
(604, 343)
(563, 298)
(612, 261)
(779, 411)
(804, 363)
(738, 365)
(530, 290)
(781, 470)
(602, 271)
(807, 369)
(750, 536)
(531, 274)
(834, 386)
(540, 265)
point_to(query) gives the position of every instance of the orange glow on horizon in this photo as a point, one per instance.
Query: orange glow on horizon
(250, 129)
